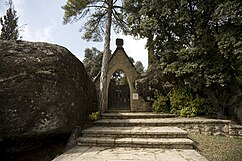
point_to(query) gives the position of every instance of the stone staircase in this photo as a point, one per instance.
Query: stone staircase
(141, 130)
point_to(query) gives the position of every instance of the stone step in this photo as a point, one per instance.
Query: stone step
(135, 132)
(136, 115)
(136, 122)
(157, 122)
(171, 143)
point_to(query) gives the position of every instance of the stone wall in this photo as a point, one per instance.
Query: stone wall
(211, 127)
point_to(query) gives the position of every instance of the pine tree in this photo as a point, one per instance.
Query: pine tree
(101, 15)
(9, 22)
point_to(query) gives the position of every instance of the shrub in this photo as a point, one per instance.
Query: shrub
(160, 104)
(181, 101)
(185, 104)
(94, 116)
(179, 98)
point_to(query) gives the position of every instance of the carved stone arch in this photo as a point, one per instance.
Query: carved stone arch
(121, 61)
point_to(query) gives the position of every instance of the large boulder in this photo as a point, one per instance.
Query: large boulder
(44, 90)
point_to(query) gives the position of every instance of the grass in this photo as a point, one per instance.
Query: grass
(218, 148)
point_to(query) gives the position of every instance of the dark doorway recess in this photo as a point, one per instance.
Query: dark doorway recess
(119, 92)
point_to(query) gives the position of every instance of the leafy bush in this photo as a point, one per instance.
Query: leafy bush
(194, 107)
(179, 98)
(181, 101)
(94, 116)
(160, 104)
(184, 103)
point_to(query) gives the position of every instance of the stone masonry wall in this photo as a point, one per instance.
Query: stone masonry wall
(216, 128)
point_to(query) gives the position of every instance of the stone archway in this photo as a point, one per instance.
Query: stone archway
(119, 92)
(120, 61)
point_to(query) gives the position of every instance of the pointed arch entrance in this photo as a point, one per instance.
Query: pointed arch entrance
(120, 95)
(119, 92)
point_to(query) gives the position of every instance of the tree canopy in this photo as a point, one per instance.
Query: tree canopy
(197, 43)
(93, 14)
(9, 23)
(139, 67)
(93, 61)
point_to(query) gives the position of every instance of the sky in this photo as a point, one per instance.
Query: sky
(43, 19)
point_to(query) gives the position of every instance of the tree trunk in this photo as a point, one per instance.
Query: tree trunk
(103, 78)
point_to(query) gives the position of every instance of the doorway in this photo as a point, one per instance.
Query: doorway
(119, 92)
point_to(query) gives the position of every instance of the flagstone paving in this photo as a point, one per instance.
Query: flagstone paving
(136, 137)
(82, 153)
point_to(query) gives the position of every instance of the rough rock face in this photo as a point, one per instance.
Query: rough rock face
(44, 89)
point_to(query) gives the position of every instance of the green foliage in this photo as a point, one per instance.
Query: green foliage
(79, 9)
(184, 103)
(139, 67)
(197, 44)
(239, 77)
(194, 107)
(94, 116)
(94, 15)
(9, 22)
(179, 98)
(93, 61)
(160, 104)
